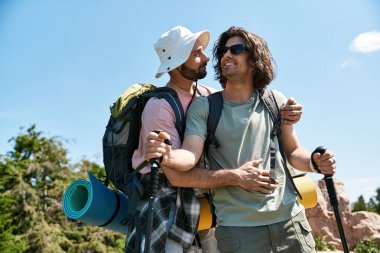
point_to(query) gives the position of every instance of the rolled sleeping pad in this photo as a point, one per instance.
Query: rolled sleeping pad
(94, 203)
(304, 184)
(79, 203)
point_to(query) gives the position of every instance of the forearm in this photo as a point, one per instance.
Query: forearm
(300, 159)
(180, 160)
(201, 178)
(186, 158)
(296, 154)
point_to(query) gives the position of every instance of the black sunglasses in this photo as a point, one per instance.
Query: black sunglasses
(234, 49)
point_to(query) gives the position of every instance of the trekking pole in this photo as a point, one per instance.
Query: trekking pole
(155, 165)
(333, 198)
(154, 183)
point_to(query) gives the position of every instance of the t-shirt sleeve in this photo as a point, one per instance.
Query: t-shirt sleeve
(157, 115)
(196, 120)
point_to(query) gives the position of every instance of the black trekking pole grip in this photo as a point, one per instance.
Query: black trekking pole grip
(327, 178)
(332, 196)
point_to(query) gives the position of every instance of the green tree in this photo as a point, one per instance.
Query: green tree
(377, 201)
(373, 204)
(9, 178)
(34, 175)
(9, 243)
(360, 205)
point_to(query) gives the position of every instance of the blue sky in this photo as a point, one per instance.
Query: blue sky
(63, 63)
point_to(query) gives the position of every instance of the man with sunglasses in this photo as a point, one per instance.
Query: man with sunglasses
(267, 217)
(182, 56)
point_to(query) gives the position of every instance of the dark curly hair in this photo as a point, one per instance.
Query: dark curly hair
(260, 57)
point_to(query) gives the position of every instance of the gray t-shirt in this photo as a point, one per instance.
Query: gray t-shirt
(244, 135)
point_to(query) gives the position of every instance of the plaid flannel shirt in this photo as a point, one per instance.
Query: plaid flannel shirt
(185, 220)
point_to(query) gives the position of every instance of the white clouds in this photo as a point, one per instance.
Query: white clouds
(366, 42)
(349, 63)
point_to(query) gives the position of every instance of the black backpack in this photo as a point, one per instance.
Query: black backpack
(121, 139)
(215, 102)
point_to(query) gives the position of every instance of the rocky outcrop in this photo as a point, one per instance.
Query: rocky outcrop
(356, 225)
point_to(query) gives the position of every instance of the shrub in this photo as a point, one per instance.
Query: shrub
(321, 244)
(367, 245)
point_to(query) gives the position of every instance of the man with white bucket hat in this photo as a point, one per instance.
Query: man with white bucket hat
(182, 55)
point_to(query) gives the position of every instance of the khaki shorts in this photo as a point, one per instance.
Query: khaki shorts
(207, 239)
(290, 236)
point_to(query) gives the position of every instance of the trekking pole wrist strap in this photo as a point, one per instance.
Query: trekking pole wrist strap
(314, 166)
(311, 165)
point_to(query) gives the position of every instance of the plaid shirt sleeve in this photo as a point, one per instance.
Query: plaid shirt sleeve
(184, 227)
(186, 217)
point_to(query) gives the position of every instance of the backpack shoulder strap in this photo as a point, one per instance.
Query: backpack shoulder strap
(215, 103)
(170, 95)
(269, 100)
(267, 96)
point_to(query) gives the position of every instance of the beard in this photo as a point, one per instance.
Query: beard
(192, 74)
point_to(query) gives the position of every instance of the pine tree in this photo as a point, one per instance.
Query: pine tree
(34, 175)
(360, 205)
(373, 204)
(377, 201)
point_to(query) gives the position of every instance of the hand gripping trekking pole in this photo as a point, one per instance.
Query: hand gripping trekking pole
(153, 189)
(332, 196)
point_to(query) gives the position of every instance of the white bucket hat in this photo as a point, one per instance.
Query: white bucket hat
(174, 47)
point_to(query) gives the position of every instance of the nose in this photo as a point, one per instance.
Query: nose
(205, 57)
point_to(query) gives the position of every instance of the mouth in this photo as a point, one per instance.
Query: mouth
(203, 68)
(228, 64)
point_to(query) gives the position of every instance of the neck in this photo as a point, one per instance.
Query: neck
(179, 81)
(238, 90)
